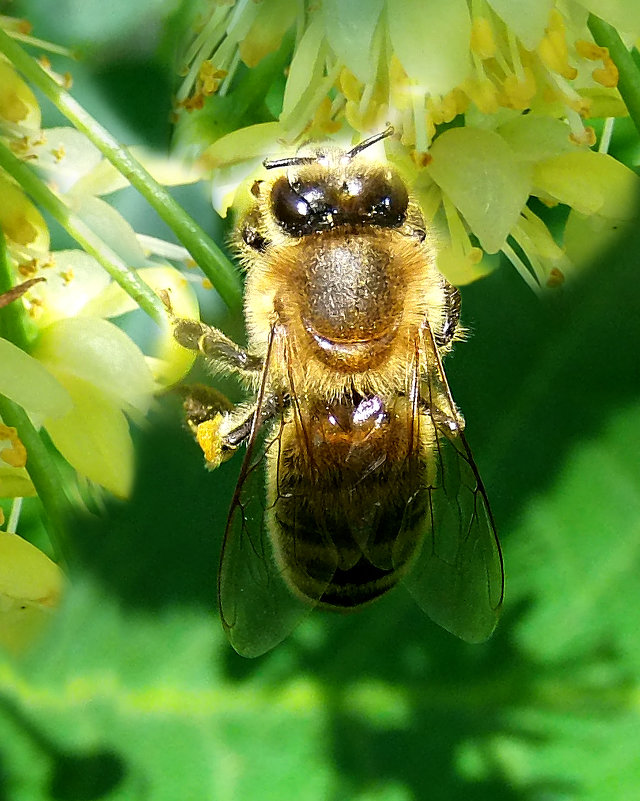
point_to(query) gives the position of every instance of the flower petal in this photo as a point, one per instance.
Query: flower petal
(622, 14)
(15, 483)
(26, 574)
(271, 22)
(483, 178)
(26, 382)
(535, 138)
(104, 178)
(587, 238)
(101, 354)
(110, 226)
(22, 223)
(590, 182)
(526, 18)
(349, 28)
(306, 67)
(431, 40)
(30, 585)
(171, 361)
(18, 105)
(252, 142)
(64, 155)
(460, 270)
(74, 280)
(94, 437)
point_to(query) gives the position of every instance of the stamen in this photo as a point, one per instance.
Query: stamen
(521, 267)
(607, 132)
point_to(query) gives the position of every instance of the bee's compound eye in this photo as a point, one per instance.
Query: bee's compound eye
(290, 209)
(389, 201)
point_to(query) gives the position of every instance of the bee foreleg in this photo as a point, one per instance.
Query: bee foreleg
(218, 350)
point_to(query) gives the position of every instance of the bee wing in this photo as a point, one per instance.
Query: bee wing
(257, 608)
(458, 577)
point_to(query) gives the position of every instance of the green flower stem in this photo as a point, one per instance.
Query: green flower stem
(204, 250)
(12, 325)
(629, 74)
(45, 476)
(41, 468)
(127, 278)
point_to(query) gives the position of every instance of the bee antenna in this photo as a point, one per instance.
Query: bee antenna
(290, 161)
(388, 131)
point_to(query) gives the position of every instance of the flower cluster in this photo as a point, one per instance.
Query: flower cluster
(490, 101)
(75, 373)
(93, 372)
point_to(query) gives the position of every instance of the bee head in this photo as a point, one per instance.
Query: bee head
(334, 188)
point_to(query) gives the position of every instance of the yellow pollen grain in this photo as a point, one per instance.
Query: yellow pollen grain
(483, 43)
(553, 48)
(475, 255)
(556, 278)
(607, 75)
(206, 284)
(520, 93)
(349, 85)
(58, 153)
(421, 159)
(483, 93)
(208, 437)
(35, 308)
(20, 230)
(580, 104)
(16, 454)
(28, 268)
(67, 276)
(206, 70)
(587, 137)
(590, 50)
(322, 118)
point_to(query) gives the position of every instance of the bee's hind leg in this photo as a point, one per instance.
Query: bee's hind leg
(219, 427)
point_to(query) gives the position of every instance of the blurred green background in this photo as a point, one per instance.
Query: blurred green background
(134, 693)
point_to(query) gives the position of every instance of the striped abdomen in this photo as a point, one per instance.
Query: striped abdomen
(346, 504)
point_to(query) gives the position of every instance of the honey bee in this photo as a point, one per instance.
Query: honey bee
(357, 474)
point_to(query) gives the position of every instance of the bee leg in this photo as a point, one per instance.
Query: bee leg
(445, 336)
(202, 403)
(222, 434)
(217, 349)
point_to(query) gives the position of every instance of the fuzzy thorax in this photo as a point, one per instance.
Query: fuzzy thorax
(347, 305)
